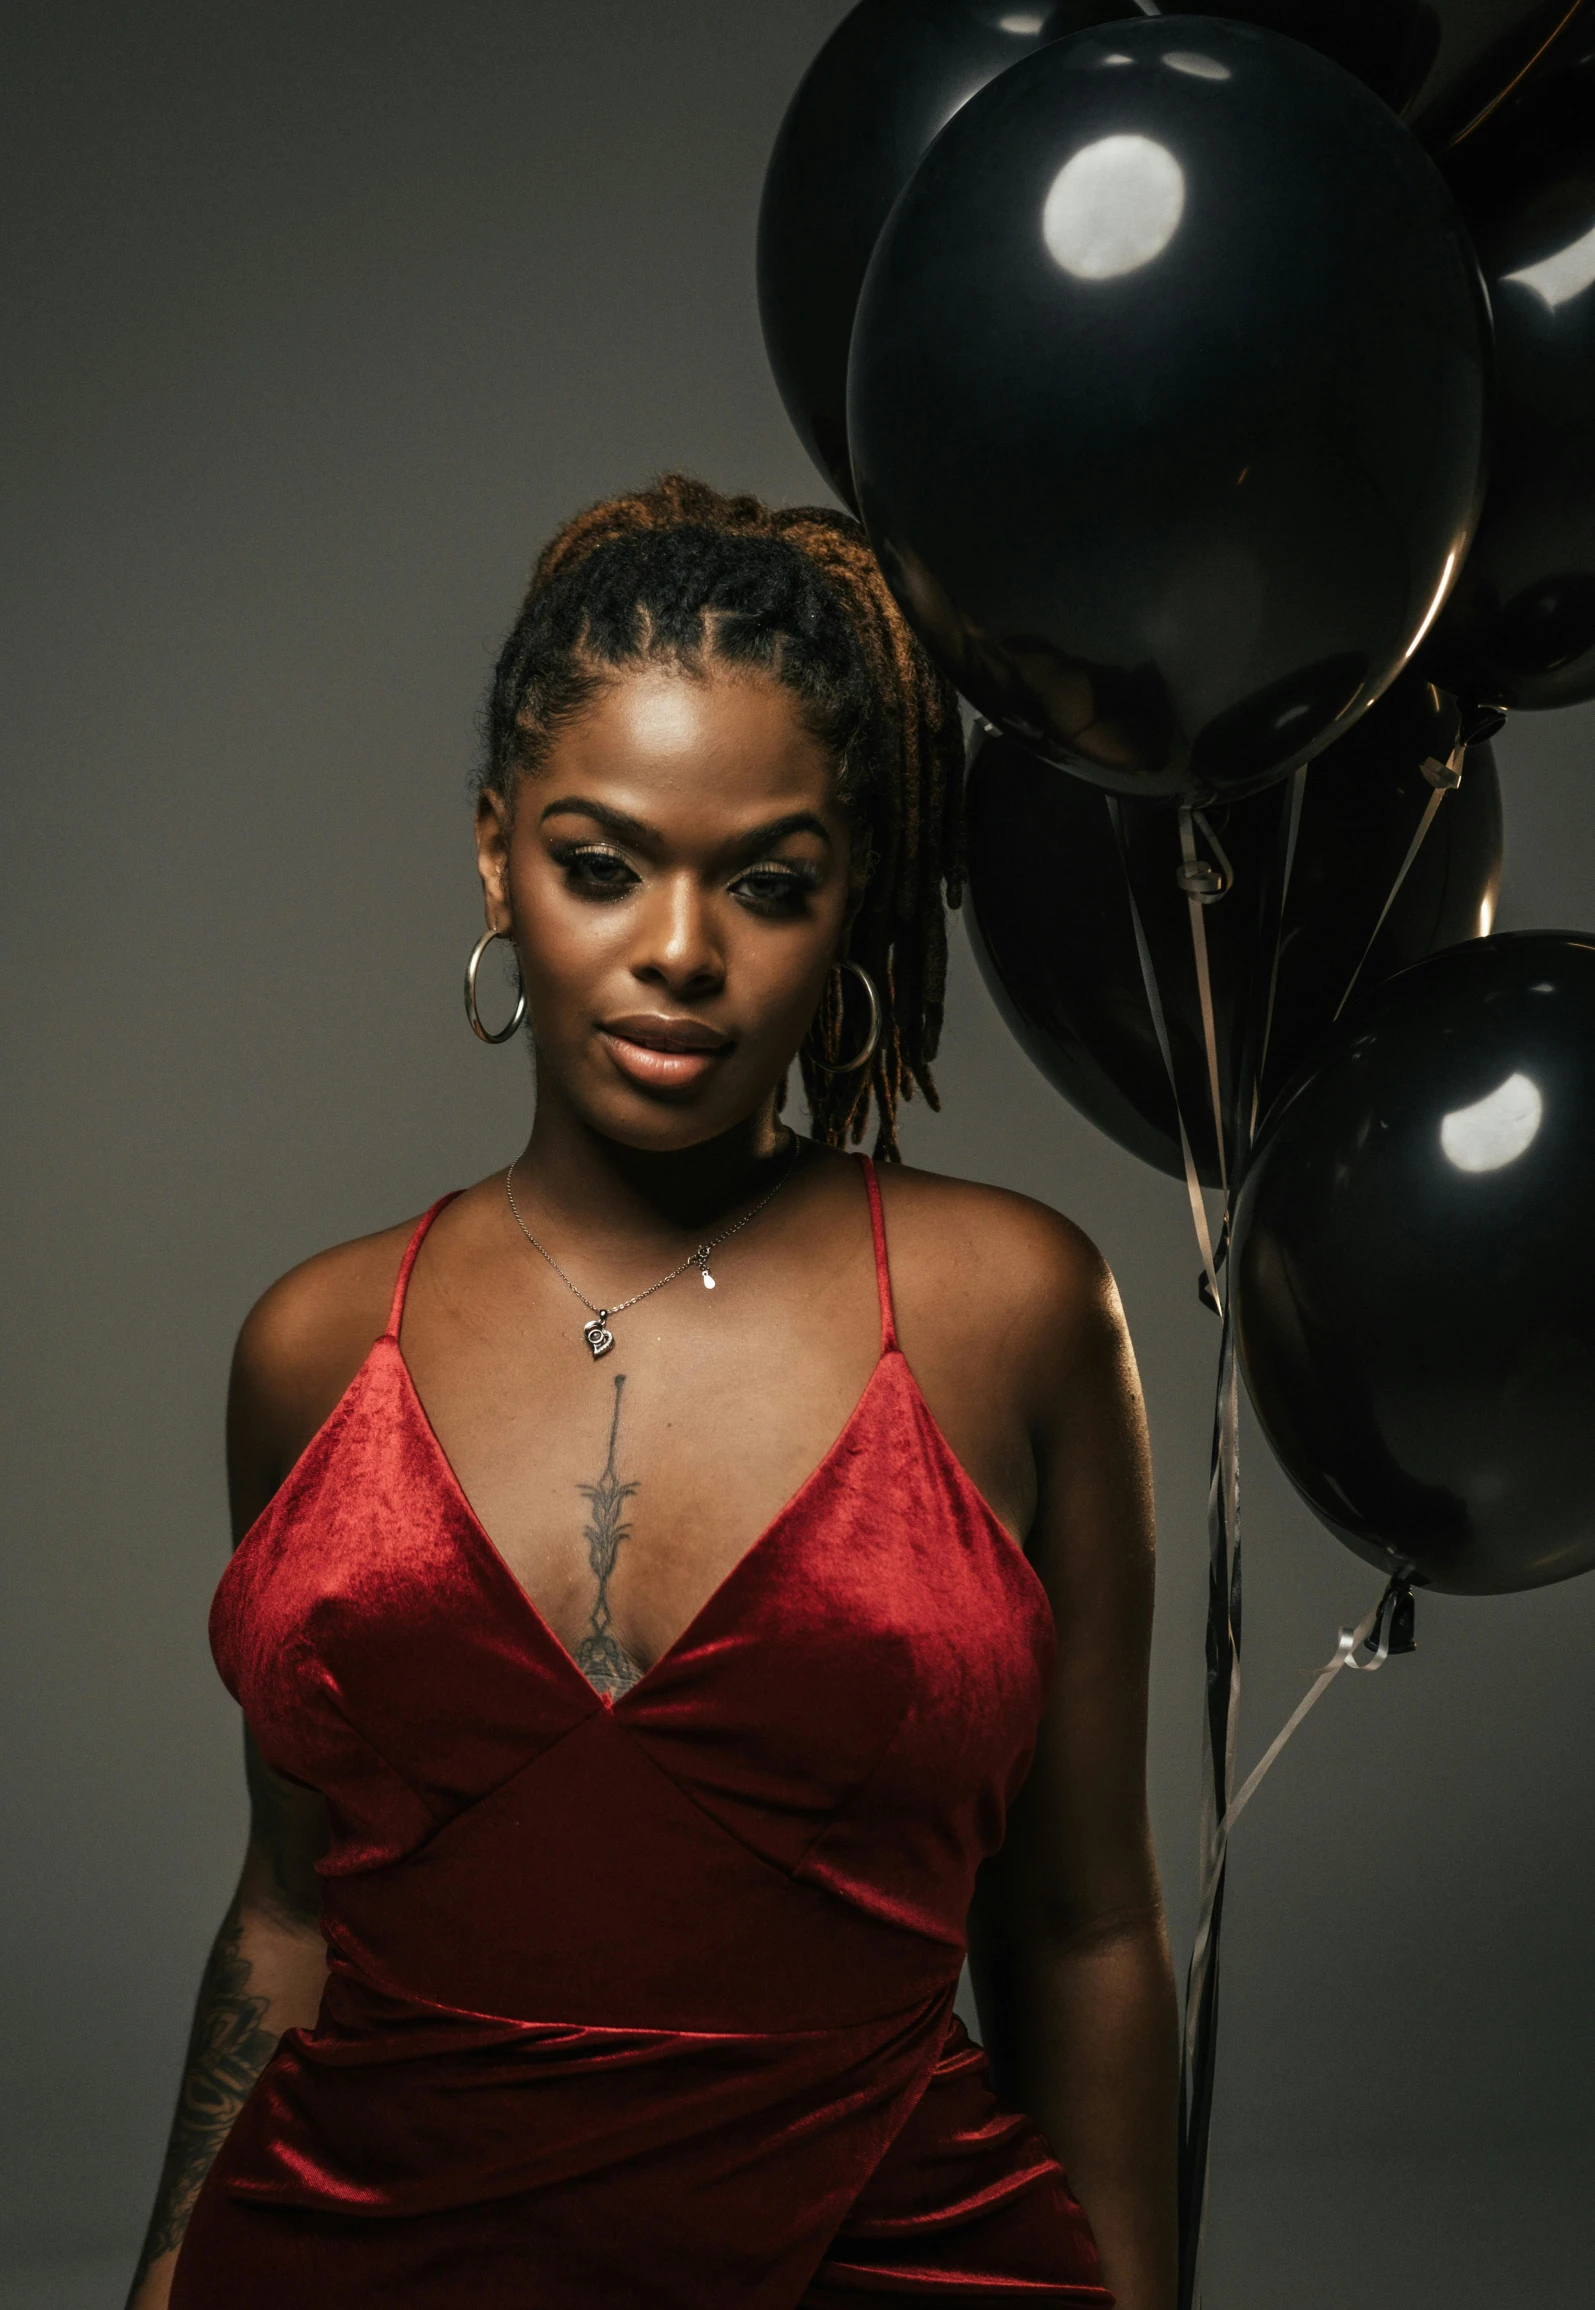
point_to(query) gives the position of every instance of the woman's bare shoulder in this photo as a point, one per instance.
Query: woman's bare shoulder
(1015, 1280)
(300, 1345)
(956, 1228)
(320, 1308)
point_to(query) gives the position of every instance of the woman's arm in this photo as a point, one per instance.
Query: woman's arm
(295, 1354)
(264, 1975)
(1068, 1949)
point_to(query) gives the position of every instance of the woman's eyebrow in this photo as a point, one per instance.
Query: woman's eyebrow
(614, 821)
(628, 829)
(776, 830)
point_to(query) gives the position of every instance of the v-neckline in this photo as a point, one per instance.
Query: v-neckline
(541, 1625)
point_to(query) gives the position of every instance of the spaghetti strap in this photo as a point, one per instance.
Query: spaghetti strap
(396, 1311)
(883, 1273)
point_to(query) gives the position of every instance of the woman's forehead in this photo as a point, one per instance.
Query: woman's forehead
(738, 734)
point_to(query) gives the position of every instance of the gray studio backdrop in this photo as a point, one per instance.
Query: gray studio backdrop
(321, 317)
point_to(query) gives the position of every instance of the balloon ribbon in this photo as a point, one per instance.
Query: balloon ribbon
(1203, 886)
(1221, 1715)
(1445, 778)
(1388, 1626)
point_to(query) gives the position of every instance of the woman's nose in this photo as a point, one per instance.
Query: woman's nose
(678, 949)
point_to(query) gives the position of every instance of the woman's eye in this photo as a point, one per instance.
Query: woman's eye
(774, 889)
(596, 873)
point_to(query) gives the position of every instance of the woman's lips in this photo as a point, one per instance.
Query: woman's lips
(663, 1054)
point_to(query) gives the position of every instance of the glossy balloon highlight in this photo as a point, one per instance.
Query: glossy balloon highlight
(1414, 1271)
(1166, 403)
(887, 81)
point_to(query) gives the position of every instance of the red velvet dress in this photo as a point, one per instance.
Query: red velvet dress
(647, 2002)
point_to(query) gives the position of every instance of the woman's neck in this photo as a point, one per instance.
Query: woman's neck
(585, 1184)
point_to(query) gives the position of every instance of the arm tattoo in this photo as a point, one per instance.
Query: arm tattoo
(227, 2050)
(602, 1659)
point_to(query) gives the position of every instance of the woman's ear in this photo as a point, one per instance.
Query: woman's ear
(494, 818)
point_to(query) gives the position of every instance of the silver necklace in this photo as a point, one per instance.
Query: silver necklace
(596, 1332)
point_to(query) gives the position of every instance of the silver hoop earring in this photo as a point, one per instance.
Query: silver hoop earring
(871, 1040)
(471, 1012)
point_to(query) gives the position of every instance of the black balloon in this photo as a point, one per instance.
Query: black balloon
(1051, 926)
(1414, 1271)
(1166, 402)
(890, 77)
(1520, 627)
(1443, 64)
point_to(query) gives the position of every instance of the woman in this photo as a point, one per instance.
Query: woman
(606, 1893)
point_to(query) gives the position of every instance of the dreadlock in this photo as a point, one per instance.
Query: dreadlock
(680, 574)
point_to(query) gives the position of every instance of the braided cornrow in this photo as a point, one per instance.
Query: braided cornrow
(680, 573)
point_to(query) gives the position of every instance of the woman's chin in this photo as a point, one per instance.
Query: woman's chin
(663, 1121)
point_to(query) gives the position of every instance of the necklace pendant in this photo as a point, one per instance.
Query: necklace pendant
(597, 1334)
(700, 1260)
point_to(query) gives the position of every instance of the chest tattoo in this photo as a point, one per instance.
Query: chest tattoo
(601, 1658)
